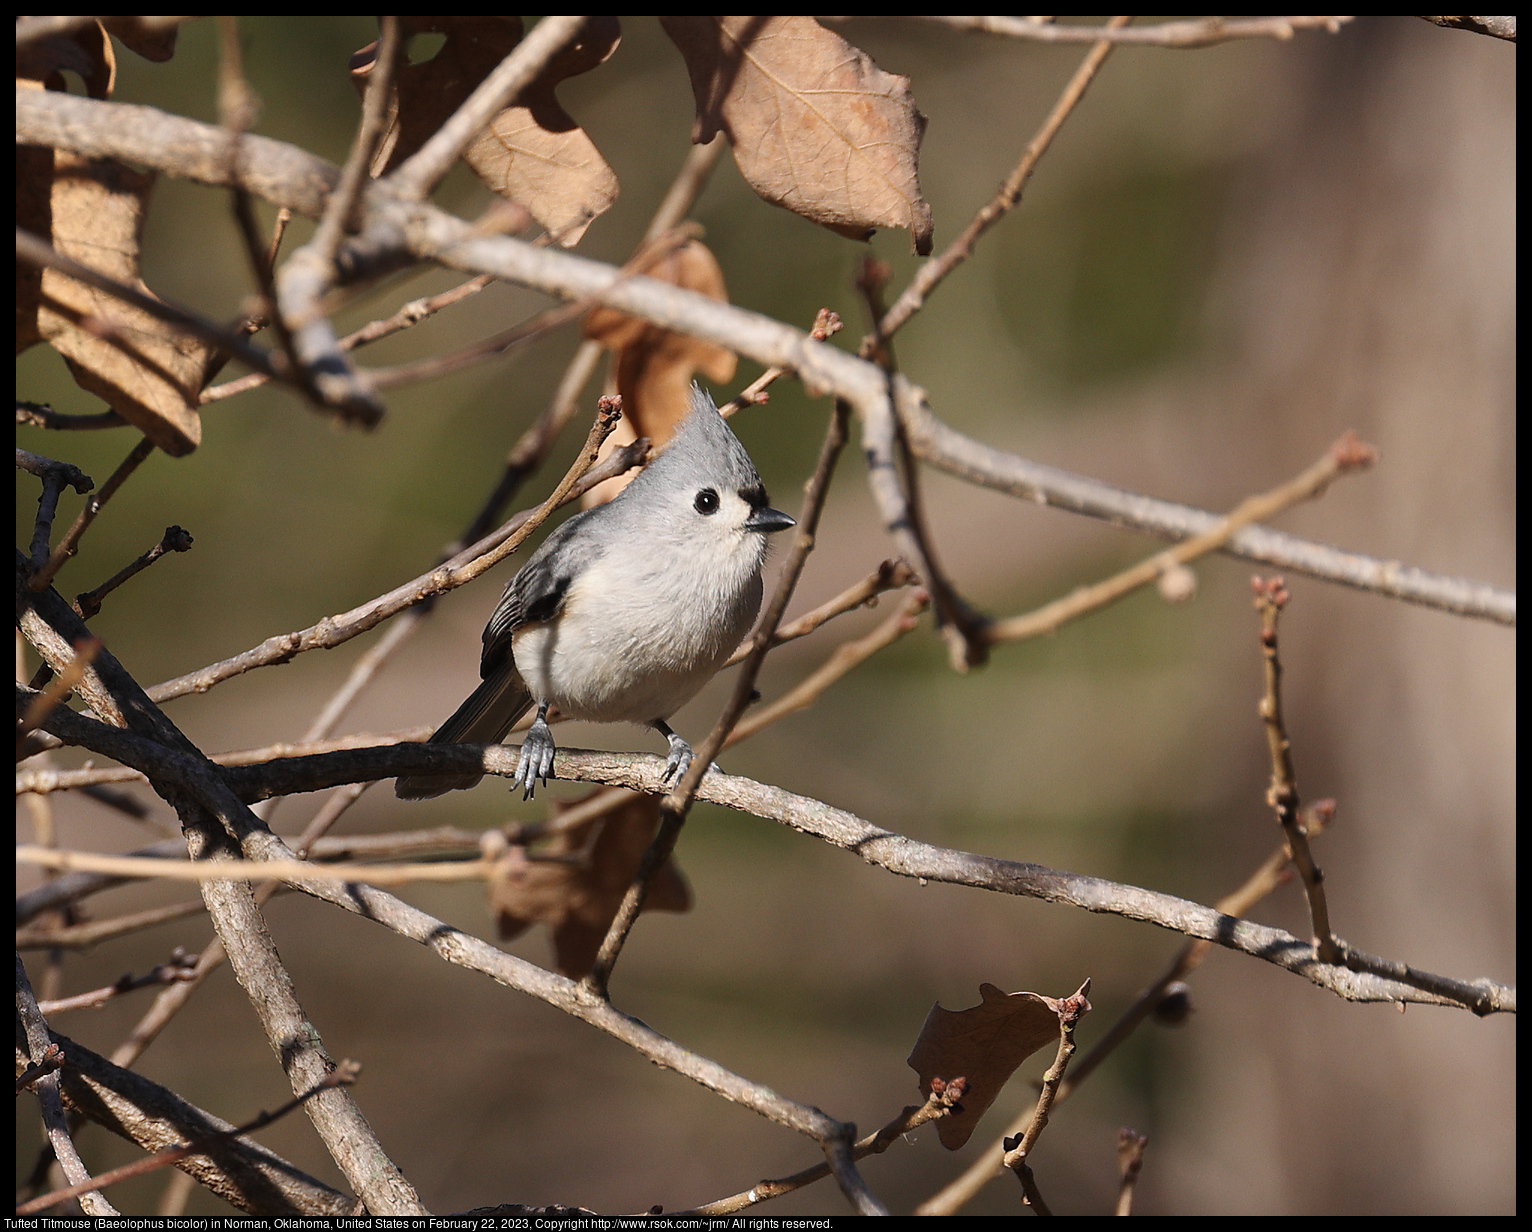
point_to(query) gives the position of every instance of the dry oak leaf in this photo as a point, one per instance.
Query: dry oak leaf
(816, 126)
(93, 210)
(533, 153)
(984, 1044)
(577, 894)
(654, 366)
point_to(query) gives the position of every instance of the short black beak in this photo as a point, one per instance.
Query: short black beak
(768, 521)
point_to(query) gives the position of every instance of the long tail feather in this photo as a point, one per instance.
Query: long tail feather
(488, 714)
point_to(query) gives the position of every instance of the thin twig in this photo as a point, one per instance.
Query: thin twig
(57, 689)
(914, 296)
(892, 471)
(1130, 1159)
(1180, 34)
(974, 462)
(344, 1074)
(410, 314)
(70, 543)
(243, 1173)
(826, 324)
(1271, 597)
(892, 574)
(1348, 454)
(173, 540)
(943, 1097)
(40, 415)
(51, 1060)
(56, 476)
(47, 1086)
(173, 972)
(1017, 1150)
(93, 932)
(309, 273)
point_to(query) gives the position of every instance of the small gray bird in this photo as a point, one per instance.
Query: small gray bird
(627, 609)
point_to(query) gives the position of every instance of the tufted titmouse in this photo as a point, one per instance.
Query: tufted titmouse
(627, 609)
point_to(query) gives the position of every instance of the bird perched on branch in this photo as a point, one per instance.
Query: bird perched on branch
(627, 609)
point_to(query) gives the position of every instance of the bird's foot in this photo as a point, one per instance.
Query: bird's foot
(536, 760)
(680, 760)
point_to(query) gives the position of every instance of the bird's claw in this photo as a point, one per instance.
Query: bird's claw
(536, 760)
(679, 761)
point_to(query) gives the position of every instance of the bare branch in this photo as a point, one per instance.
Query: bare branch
(1361, 977)
(39, 1044)
(1346, 455)
(39, 415)
(288, 176)
(173, 540)
(1495, 27)
(343, 1075)
(913, 297)
(242, 1173)
(56, 476)
(176, 970)
(944, 1096)
(1270, 598)
(1130, 1159)
(1070, 1010)
(70, 543)
(1180, 34)
(970, 460)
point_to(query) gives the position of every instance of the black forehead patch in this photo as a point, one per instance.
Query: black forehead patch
(754, 496)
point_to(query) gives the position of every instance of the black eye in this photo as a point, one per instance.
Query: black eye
(707, 501)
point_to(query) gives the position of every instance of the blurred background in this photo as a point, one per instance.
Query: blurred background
(1229, 256)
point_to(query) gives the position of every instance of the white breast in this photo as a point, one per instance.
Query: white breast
(637, 640)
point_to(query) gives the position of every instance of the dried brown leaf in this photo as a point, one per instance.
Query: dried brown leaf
(93, 210)
(984, 1044)
(152, 41)
(578, 896)
(655, 366)
(816, 126)
(533, 153)
(536, 155)
(87, 52)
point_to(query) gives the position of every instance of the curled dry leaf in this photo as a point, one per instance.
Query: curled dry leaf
(148, 38)
(577, 889)
(984, 1044)
(533, 153)
(816, 126)
(93, 210)
(655, 366)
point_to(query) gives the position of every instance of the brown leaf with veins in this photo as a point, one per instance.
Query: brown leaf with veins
(536, 155)
(984, 1044)
(93, 210)
(577, 895)
(655, 366)
(533, 153)
(816, 126)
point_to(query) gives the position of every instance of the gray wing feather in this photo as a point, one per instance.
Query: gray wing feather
(536, 593)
